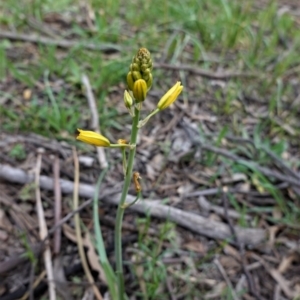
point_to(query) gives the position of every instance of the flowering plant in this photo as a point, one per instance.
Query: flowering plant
(139, 81)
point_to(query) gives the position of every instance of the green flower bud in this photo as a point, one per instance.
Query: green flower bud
(134, 67)
(143, 54)
(136, 75)
(128, 101)
(130, 81)
(144, 67)
(140, 68)
(146, 75)
(149, 81)
(135, 60)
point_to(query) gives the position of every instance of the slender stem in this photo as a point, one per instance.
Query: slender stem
(124, 161)
(126, 205)
(108, 270)
(120, 211)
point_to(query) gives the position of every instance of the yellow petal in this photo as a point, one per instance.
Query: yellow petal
(92, 138)
(170, 96)
(140, 90)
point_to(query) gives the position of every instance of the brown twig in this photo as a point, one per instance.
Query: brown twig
(61, 284)
(95, 118)
(283, 283)
(226, 278)
(204, 73)
(107, 47)
(42, 286)
(37, 140)
(193, 134)
(31, 281)
(35, 284)
(281, 163)
(43, 228)
(218, 190)
(240, 246)
(206, 205)
(78, 229)
(17, 260)
(57, 205)
(41, 27)
(194, 222)
(170, 288)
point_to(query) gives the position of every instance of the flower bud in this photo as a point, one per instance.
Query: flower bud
(140, 68)
(144, 67)
(127, 99)
(170, 96)
(149, 82)
(136, 75)
(139, 90)
(92, 138)
(143, 56)
(130, 81)
(134, 67)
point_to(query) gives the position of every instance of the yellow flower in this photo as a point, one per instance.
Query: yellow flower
(92, 138)
(170, 96)
(140, 90)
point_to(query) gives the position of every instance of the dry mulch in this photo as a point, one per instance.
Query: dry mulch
(172, 160)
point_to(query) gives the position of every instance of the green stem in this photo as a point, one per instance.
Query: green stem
(120, 211)
(108, 270)
(134, 201)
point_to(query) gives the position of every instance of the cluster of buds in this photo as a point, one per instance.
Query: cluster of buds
(139, 78)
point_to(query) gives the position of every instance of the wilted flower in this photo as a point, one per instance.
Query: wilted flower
(122, 142)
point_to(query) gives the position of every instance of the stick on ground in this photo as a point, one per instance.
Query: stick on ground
(191, 221)
(95, 118)
(43, 229)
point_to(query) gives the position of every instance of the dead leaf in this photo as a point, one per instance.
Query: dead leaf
(4, 221)
(229, 250)
(286, 263)
(195, 246)
(139, 271)
(229, 262)
(272, 234)
(3, 235)
(93, 258)
(69, 232)
(216, 292)
(60, 278)
(284, 284)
